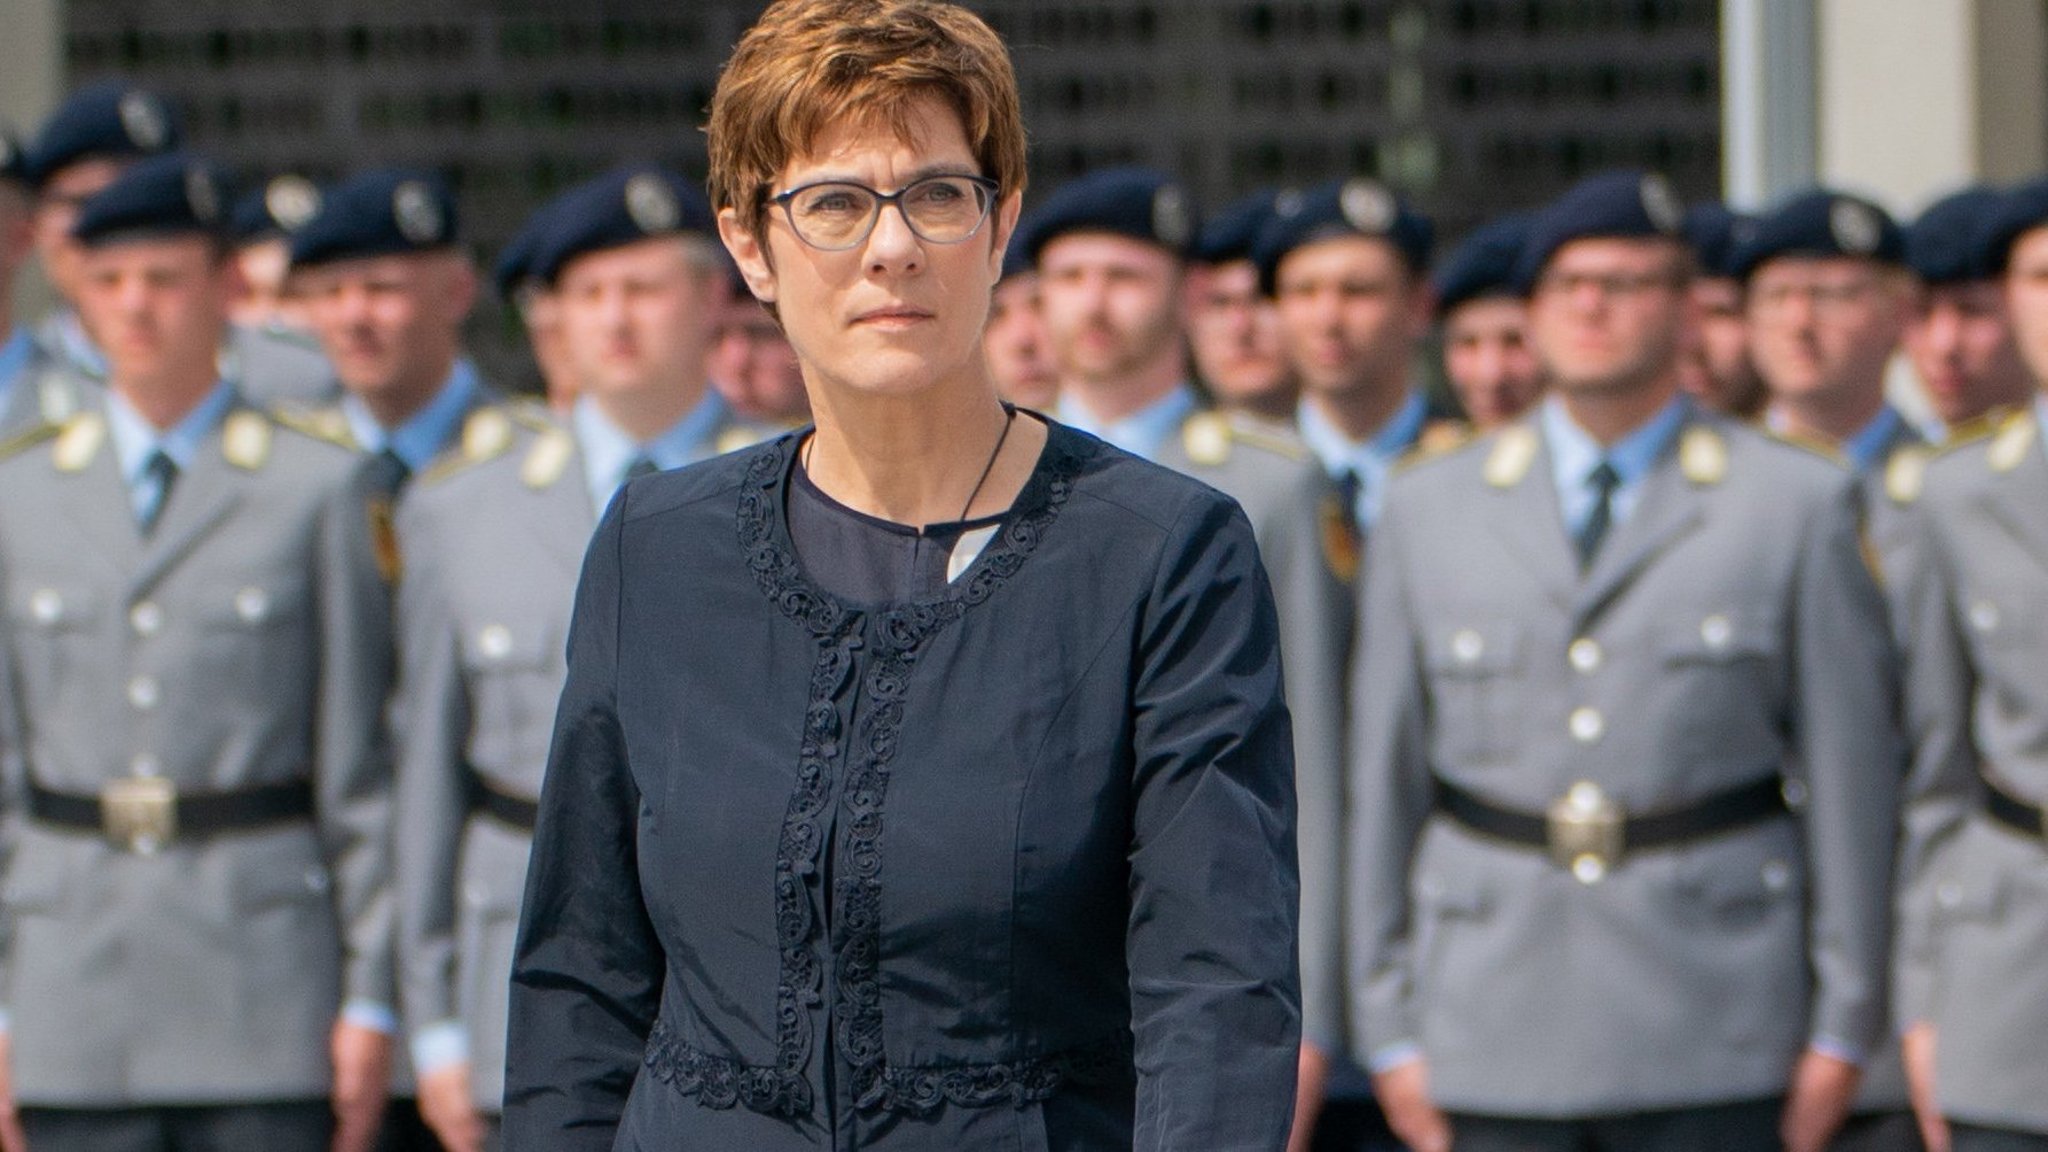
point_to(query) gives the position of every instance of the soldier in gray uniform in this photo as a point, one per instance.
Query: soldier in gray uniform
(493, 539)
(1974, 910)
(1625, 778)
(197, 943)
(1111, 249)
(1960, 340)
(1828, 298)
(1346, 267)
(87, 141)
(32, 390)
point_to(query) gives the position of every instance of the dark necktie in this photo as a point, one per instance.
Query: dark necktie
(641, 466)
(1350, 485)
(159, 472)
(388, 472)
(1604, 480)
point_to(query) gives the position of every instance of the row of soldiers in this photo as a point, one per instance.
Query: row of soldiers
(1601, 743)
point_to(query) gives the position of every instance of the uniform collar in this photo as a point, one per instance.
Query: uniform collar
(1371, 460)
(608, 451)
(15, 356)
(420, 439)
(1866, 448)
(1143, 432)
(1574, 454)
(135, 438)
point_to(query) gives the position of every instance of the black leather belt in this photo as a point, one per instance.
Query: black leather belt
(521, 812)
(2021, 816)
(144, 813)
(1588, 834)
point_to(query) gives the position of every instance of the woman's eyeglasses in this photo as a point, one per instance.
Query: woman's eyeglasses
(836, 215)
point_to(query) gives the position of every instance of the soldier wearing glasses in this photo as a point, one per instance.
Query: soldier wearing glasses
(1622, 822)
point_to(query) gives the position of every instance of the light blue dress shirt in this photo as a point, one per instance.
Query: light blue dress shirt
(1144, 432)
(420, 439)
(1574, 454)
(1866, 448)
(608, 451)
(1372, 460)
(15, 356)
(136, 440)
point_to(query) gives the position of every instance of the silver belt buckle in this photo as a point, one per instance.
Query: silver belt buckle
(139, 814)
(1587, 832)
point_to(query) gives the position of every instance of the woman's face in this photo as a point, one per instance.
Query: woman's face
(895, 314)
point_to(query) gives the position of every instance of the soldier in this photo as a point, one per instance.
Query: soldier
(1715, 368)
(535, 306)
(1017, 352)
(755, 369)
(1345, 265)
(264, 220)
(1584, 916)
(1110, 249)
(198, 946)
(1959, 339)
(1828, 299)
(1233, 330)
(1974, 914)
(388, 287)
(96, 133)
(640, 281)
(31, 391)
(1487, 358)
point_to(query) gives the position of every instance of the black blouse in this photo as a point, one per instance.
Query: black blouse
(1006, 867)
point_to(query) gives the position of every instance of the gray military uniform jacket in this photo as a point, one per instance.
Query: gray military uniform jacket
(246, 641)
(1974, 909)
(275, 368)
(1727, 632)
(44, 393)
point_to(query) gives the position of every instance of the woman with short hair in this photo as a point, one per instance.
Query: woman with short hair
(922, 778)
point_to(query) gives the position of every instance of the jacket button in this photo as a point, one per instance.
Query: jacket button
(1585, 655)
(1587, 725)
(147, 618)
(143, 692)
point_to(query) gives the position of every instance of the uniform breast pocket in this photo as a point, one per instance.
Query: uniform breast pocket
(2004, 627)
(1475, 696)
(1723, 669)
(49, 621)
(514, 672)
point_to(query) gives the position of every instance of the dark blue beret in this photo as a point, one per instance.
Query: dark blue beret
(514, 269)
(110, 118)
(13, 162)
(2020, 210)
(1230, 234)
(1715, 231)
(389, 211)
(1821, 222)
(1484, 265)
(278, 208)
(1355, 207)
(621, 207)
(175, 194)
(1621, 204)
(1945, 245)
(1137, 202)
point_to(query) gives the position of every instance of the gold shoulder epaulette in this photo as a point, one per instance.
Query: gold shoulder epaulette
(1278, 440)
(488, 434)
(1514, 450)
(245, 439)
(28, 438)
(1207, 438)
(1438, 438)
(1905, 474)
(1976, 428)
(1702, 455)
(1808, 443)
(78, 441)
(319, 423)
(530, 413)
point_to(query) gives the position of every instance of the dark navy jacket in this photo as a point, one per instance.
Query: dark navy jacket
(1011, 868)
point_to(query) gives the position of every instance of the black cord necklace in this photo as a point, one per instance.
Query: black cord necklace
(1009, 417)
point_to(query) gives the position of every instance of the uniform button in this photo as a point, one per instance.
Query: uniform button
(46, 606)
(494, 641)
(145, 765)
(1777, 875)
(252, 605)
(1795, 794)
(1468, 646)
(1587, 725)
(1984, 616)
(147, 618)
(1716, 632)
(143, 692)
(1585, 655)
(474, 895)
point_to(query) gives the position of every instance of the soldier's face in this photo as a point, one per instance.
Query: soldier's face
(1607, 315)
(639, 317)
(57, 206)
(1112, 307)
(1718, 369)
(895, 314)
(1019, 356)
(390, 323)
(1822, 327)
(754, 367)
(1488, 360)
(1350, 314)
(1963, 351)
(1234, 332)
(2026, 300)
(157, 307)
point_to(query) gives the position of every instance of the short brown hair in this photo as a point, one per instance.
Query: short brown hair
(807, 64)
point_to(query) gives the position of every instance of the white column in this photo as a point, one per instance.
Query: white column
(1768, 95)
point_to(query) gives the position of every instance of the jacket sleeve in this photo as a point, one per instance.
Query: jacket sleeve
(431, 736)
(1215, 1002)
(1845, 736)
(1390, 797)
(587, 969)
(352, 751)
